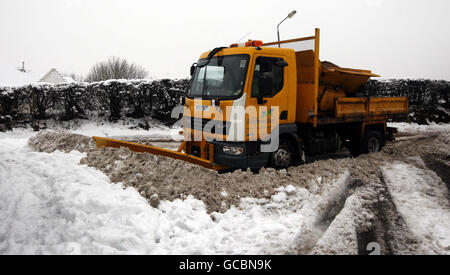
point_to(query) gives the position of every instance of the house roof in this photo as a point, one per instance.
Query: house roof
(13, 77)
(55, 77)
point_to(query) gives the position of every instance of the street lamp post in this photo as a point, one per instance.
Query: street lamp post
(290, 15)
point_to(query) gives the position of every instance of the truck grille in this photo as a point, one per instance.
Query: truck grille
(223, 124)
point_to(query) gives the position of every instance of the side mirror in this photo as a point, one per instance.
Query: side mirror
(281, 63)
(193, 69)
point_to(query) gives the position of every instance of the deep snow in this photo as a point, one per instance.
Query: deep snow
(50, 204)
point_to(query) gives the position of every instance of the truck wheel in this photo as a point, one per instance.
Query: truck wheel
(372, 142)
(284, 155)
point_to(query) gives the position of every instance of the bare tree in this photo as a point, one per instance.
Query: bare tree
(116, 68)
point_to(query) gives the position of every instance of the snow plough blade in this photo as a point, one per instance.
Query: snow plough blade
(141, 148)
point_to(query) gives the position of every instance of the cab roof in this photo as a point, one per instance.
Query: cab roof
(250, 51)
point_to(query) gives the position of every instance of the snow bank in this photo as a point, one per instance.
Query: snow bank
(258, 226)
(51, 205)
(420, 196)
(50, 141)
(118, 130)
(171, 179)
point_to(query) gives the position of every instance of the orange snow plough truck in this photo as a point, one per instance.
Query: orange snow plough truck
(317, 108)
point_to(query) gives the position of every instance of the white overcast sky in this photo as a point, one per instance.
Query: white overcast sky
(394, 38)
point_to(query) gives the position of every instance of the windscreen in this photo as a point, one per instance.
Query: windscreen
(223, 78)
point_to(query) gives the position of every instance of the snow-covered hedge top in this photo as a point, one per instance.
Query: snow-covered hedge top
(114, 97)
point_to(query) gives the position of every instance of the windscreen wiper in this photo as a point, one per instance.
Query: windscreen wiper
(203, 62)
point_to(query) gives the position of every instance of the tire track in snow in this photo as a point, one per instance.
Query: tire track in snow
(421, 199)
(442, 170)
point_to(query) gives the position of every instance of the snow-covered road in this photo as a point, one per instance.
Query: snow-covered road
(49, 204)
(421, 198)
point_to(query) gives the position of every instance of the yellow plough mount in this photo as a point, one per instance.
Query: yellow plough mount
(206, 158)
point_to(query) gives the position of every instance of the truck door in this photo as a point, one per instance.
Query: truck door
(269, 91)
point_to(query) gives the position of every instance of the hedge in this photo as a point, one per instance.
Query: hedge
(114, 99)
(429, 100)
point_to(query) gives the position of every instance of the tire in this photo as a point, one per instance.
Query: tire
(284, 156)
(372, 142)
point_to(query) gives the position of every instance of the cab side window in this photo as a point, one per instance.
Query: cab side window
(268, 74)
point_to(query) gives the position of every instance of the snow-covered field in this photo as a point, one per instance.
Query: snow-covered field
(52, 204)
(106, 129)
(414, 129)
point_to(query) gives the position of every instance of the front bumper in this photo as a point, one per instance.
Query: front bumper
(251, 156)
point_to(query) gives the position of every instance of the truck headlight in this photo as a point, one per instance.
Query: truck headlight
(232, 150)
